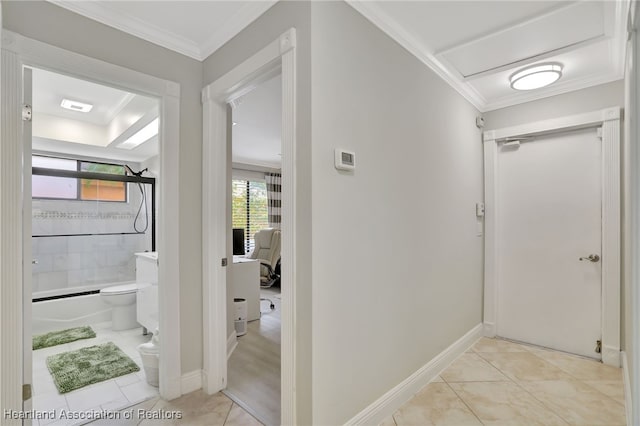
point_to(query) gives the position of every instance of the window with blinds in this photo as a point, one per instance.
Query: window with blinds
(249, 209)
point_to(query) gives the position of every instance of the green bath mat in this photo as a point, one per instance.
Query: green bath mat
(93, 364)
(61, 337)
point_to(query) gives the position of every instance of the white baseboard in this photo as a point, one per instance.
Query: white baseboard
(232, 343)
(489, 329)
(627, 388)
(389, 403)
(191, 381)
(611, 356)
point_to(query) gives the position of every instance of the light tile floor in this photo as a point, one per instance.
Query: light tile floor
(193, 409)
(498, 382)
(111, 394)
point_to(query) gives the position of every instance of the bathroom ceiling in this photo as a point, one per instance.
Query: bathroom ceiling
(115, 116)
(473, 45)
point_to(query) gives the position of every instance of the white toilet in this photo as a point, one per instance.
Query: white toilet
(122, 298)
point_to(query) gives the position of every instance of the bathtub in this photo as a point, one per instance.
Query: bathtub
(69, 312)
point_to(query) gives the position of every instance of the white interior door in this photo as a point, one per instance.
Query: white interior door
(549, 216)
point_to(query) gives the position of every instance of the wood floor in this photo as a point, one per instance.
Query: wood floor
(254, 366)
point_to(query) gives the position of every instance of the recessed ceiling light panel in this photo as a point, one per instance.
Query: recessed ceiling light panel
(536, 76)
(75, 105)
(141, 136)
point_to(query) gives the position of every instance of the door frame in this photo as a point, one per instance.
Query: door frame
(277, 56)
(19, 52)
(609, 119)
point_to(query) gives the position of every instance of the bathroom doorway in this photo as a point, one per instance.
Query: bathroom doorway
(254, 279)
(90, 229)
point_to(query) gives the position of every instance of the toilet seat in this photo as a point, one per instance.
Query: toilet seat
(119, 289)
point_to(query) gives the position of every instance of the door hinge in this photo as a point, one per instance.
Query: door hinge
(26, 112)
(224, 261)
(599, 132)
(26, 392)
(598, 346)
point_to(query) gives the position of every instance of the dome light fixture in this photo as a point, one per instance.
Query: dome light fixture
(536, 76)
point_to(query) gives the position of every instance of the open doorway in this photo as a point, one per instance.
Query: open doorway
(91, 290)
(254, 279)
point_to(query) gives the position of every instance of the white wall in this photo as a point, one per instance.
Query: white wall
(585, 100)
(51, 24)
(397, 265)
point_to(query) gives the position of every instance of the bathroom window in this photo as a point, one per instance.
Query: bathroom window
(249, 209)
(64, 188)
(102, 190)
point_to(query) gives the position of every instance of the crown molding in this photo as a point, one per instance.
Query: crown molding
(124, 22)
(383, 21)
(553, 90)
(107, 15)
(238, 22)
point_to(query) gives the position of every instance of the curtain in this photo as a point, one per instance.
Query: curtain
(274, 190)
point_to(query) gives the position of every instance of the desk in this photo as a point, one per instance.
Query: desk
(245, 282)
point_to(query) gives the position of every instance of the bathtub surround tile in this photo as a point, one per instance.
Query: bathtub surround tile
(578, 403)
(435, 404)
(505, 403)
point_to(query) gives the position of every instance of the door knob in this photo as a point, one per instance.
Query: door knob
(592, 257)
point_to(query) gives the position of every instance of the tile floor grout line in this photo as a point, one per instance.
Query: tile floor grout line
(519, 385)
(228, 413)
(540, 401)
(465, 403)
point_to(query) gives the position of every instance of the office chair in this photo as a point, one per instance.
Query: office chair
(267, 250)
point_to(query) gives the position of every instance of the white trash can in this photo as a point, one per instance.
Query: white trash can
(150, 354)
(240, 319)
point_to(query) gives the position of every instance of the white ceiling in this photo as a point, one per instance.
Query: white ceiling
(257, 132)
(115, 115)
(476, 45)
(193, 28)
(473, 45)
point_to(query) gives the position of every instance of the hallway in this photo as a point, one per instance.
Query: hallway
(497, 382)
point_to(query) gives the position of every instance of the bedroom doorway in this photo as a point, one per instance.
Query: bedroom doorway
(254, 365)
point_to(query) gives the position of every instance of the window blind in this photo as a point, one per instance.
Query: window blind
(249, 209)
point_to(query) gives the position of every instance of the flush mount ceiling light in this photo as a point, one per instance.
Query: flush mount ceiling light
(141, 136)
(536, 76)
(75, 105)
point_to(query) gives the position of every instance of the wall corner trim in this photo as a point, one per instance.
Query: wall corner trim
(388, 403)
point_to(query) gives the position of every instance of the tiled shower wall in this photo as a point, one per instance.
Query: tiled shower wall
(72, 263)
